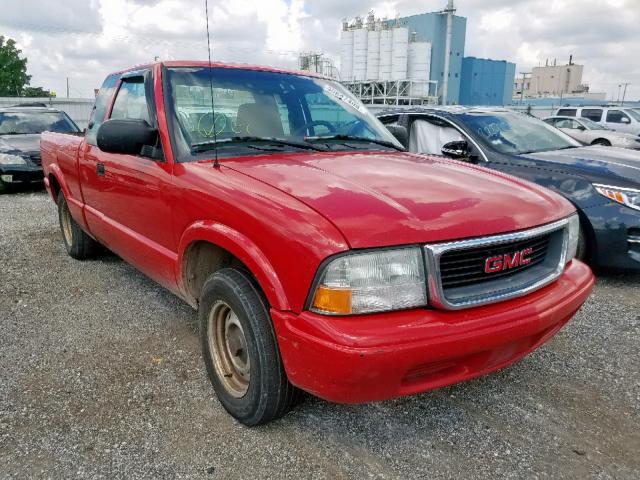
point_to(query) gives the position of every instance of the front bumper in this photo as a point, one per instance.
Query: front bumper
(376, 357)
(21, 173)
(616, 230)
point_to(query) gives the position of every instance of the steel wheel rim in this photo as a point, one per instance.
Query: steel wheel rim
(228, 349)
(65, 223)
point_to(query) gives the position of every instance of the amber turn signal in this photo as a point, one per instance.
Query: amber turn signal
(332, 300)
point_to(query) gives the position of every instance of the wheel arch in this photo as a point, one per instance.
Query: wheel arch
(208, 246)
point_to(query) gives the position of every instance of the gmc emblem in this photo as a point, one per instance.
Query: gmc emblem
(508, 261)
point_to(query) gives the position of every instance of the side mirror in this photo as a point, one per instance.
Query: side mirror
(582, 127)
(458, 150)
(126, 136)
(625, 120)
(401, 134)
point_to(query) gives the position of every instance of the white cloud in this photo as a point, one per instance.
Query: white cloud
(85, 40)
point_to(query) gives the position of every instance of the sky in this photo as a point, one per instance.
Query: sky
(85, 40)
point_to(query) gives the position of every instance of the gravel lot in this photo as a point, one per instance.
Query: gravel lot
(101, 376)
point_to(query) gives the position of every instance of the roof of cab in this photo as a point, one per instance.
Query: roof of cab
(216, 64)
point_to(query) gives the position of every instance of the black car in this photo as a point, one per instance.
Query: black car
(602, 182)
(20, 129)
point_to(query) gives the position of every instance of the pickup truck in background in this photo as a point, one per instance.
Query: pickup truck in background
(319, 254)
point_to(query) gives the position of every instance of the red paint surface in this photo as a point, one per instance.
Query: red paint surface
(283, 214)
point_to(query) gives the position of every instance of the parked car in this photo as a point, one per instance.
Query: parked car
(621, 119)
(589, 132)
(20, 129)
(603, 183)
(319, 254)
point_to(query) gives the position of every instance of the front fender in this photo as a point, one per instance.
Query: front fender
(242, 248)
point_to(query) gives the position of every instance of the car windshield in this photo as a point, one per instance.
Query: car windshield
(266, 111)
(17, 123)
(634, 113)
(591, 125)
(515, 133)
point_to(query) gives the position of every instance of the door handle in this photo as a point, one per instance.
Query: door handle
(100, 169)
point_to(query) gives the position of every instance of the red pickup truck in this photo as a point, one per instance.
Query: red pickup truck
(319, 254)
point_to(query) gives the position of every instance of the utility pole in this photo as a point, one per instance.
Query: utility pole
(449, 11)
(67, 87)
(619, 87)
(624, 93)
(524, 77)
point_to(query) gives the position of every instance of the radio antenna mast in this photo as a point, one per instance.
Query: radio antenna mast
(216, 164)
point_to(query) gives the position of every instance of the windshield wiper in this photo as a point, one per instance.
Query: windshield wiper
(353, 138)
(210, 145)
(16, 133)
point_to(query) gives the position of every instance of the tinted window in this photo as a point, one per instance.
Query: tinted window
(17, 123)
(567, 112)
(131, 101)
(616, 116)
(100, 107)
(567, 123)
(594, 114)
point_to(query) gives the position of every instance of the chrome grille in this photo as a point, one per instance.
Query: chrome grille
(467, 267)
(456, 270)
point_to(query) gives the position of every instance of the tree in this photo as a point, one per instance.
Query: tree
(13, 69)
(37, 92)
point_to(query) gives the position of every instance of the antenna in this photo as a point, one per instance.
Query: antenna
(216, 164)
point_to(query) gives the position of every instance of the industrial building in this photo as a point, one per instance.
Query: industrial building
(552, 80)
(419, 59)
(486, 82)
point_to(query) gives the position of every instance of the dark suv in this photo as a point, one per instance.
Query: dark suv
(20, 129)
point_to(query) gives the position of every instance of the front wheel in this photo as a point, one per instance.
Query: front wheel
(240, 349)
(601, 141)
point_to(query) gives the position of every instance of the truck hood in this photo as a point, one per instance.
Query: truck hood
(596, 163)
(20, 143)
(384, 199)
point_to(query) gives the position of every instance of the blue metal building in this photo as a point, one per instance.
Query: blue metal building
(432, 27)
(486, 82)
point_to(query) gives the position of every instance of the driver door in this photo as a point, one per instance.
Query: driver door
(132, 211)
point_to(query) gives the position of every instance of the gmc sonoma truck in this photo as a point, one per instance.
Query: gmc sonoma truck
(319, 254)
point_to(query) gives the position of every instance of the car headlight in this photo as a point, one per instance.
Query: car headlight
(573, 233)
(377, 281)
(9, 159)
(626, 196)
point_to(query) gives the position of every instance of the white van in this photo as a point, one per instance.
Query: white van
(621, 119)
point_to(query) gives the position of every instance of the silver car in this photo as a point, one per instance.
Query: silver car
(591, 133)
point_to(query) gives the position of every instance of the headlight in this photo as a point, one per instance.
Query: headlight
(626, 196)
(8, 159)
(573, 232)
(371, 282)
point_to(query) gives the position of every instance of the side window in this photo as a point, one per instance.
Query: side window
(563, 123)
(390, 119)
(429, 135)
(567, 112)
(616, 116)
(594, 114)
(100, 107)
(131, 101)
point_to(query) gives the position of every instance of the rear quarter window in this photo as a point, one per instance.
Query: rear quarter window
(594, 114)
(100, 107)
(567, 112)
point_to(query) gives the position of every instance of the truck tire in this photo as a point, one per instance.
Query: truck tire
(240, 349)
(78, 244)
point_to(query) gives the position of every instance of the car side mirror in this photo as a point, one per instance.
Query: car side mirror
(401, 134)
(625, 120)
(126, 136)
(582, 127)
(457, 150)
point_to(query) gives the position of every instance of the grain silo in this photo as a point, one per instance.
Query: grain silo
(360, 41)
(386, 50)
(399, 55)
(346, 54)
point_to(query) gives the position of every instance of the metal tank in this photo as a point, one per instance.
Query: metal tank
(373, 55)
(386, 49)
(419, 67)
(360, 40)
(346, 55)
(399, 55)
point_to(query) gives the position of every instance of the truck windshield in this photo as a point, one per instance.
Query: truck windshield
(22, 123)
(294, 111)
(515, 133)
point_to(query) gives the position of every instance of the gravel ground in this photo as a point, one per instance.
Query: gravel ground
(101, 376)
